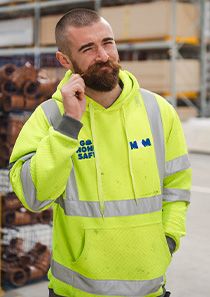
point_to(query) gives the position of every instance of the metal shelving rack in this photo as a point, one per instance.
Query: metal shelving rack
(205, 58)
(37, 7)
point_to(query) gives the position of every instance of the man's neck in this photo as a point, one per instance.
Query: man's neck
(106, 99)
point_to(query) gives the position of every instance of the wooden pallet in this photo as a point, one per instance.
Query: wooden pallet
(181, 95)
(193, 40)
(15, 2)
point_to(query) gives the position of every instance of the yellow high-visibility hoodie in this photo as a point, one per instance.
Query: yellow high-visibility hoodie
(118, 182)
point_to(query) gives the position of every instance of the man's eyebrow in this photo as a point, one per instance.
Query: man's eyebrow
(108, 39)
(84, 46)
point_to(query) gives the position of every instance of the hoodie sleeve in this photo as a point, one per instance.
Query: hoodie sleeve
(41, 158)
(177, 179)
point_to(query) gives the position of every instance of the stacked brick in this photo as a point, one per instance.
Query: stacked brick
(19, 267)
(22, 89)
(14, 214)
(10, 126)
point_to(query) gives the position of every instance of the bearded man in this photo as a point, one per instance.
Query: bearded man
(111, 160)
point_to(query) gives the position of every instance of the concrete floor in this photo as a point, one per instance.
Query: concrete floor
(189, 273)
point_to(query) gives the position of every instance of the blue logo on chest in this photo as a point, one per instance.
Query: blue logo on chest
(86, 150)
(136, 144)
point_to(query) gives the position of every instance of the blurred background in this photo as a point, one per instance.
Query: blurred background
(166, 45)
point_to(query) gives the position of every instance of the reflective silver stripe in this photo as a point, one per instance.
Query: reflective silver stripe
(26, 157)
(71, 188)
(29, 190)
(127, 288)
(176, 195)
(112, 208)
(156, 126)
(176, 165)
(54, 116)
(52, 112)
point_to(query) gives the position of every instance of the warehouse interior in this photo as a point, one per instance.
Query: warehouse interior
(166, 45)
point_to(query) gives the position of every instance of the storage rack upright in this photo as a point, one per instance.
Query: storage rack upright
(39, 8)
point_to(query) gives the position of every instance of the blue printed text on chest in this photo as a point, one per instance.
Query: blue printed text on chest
(85, 150)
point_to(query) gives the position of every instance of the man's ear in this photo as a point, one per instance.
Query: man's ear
(64, 60)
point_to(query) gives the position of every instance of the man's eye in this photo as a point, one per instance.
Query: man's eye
(87, 49)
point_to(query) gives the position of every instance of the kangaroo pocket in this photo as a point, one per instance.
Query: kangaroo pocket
(131, 253)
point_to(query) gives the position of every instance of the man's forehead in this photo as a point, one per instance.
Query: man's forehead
(94, 32)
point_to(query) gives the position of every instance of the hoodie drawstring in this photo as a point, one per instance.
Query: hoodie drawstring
(97, 162)
(129, 155)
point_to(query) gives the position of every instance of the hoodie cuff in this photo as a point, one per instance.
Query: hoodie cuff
(69, 126)
(171, 244)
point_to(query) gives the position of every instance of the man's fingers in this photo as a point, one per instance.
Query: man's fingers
(77, 78)
(73, 88)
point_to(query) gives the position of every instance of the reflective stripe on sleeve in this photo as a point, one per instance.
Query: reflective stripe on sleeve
(176, 165)
(127, 288)
(156, 126)
(24, 158)
(52, 112)
(29, 190)
(112, 208)
(27, 157)
(176, 195)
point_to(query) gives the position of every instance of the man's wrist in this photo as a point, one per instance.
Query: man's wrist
(69, 126)
(73, 116)
(171, 244)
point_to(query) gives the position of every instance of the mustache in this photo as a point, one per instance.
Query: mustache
(98, 65)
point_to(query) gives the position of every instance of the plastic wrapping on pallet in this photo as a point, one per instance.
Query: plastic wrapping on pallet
(17, 31)
(5, 185)
(30, 234)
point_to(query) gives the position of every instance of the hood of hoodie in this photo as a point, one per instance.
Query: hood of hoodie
(130, 89)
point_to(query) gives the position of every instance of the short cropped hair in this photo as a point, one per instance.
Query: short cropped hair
(77, 17)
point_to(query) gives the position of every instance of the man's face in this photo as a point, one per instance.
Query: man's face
(94, 55)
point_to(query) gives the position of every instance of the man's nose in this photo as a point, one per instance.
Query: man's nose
(102, 55)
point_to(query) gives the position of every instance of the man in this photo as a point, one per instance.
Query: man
(112, 162)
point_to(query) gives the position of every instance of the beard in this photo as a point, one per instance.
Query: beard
(101, 76)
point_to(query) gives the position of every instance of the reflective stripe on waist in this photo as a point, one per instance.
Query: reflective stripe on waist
(112, 208)
(127, 288)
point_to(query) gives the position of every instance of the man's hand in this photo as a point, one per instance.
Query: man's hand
(73, 93)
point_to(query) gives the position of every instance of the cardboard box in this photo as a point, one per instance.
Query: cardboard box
(155, 75)
(47, 29)
(16, 32)
(152, 20)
